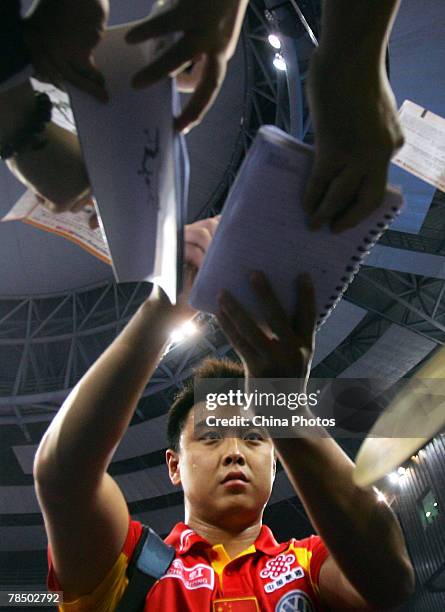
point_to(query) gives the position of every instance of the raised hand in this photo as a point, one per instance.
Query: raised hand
(282, 350)
(61, 35)
(197, 238)
(210, 31)
(357, 131)
(56, 173)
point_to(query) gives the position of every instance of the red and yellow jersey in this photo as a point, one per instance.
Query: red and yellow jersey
(266, 577)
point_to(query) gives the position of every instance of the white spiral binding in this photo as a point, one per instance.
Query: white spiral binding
(351, 270)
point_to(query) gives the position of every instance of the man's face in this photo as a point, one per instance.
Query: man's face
(225, 479)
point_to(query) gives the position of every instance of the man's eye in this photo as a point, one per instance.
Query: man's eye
(210, 435)
(254, 435)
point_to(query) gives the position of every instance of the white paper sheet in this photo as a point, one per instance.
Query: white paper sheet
(72, 226)
(133, 163)
(423, 153)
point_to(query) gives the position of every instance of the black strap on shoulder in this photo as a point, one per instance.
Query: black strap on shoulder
(149, 562)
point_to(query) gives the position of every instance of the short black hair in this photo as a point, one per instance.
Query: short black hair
(185, 399)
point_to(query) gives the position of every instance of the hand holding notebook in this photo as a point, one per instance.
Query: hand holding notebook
(264, 227)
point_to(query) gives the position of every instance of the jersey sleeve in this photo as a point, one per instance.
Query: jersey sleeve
(317, 555)
(108, 593)
(311, 553)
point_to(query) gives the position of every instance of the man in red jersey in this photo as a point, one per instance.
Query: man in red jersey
(226, 559)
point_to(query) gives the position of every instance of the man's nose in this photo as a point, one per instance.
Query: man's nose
(233, 452)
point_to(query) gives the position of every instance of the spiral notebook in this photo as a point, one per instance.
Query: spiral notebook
(264, 227)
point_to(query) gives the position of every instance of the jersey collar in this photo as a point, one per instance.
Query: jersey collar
(183, 539)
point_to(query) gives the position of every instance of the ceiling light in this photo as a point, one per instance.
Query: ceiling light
(274, 41)
(381, 497)
(177, 335)
(184, 331)
(189, 328)
(401, 471)
(394, 477)
(279, 62)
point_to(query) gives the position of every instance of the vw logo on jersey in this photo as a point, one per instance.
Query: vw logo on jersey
(294, 601)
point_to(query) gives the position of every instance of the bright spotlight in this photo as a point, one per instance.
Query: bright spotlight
(381, 497)
(184, 331)
(189, 328)
(177, 335)
(274, 41)
(401, 471)
(394, 477)
(279, 62)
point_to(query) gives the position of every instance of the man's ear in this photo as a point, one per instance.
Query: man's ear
(172, 459)
(274, 466)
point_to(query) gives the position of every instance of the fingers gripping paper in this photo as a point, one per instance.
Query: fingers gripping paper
(264, 227)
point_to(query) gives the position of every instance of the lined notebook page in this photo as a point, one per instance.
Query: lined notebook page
(264, 227)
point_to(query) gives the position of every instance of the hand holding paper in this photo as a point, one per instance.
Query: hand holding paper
(61, 35)
(285, 347)
(197, 240)
(138, 167)
(210, 33)
(264, 227)
(357, 132)
(56, 172)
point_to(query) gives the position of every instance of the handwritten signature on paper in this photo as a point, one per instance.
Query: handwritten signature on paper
(148, 166)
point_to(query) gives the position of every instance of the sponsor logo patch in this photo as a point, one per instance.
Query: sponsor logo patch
(293, 574)
(196, 577)
(295, 601)
(278, 565)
